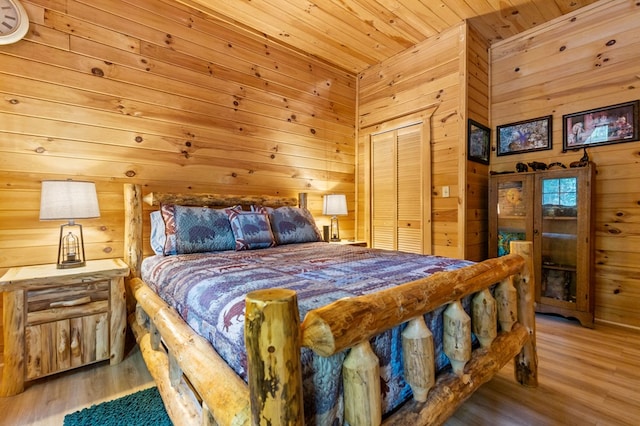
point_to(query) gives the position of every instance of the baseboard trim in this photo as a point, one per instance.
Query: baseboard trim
(617, 324)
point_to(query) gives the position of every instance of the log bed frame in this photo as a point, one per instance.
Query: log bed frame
(198, 387)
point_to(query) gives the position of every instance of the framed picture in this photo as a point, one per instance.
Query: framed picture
(525, 136)
(479, 141)
(600, 126)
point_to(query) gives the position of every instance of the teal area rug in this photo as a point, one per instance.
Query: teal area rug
(138, 409)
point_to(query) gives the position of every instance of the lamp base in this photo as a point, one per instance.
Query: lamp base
(71, 264)
(335, 229)
(71, 246)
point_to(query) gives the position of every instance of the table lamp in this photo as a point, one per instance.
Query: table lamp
(69, 200)
(334, 205)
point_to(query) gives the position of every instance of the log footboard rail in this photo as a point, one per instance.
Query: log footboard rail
(198, 387)
(273, 338)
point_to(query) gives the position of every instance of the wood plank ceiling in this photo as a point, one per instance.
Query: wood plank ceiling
(355, 34)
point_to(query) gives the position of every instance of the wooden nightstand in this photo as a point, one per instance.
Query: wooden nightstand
(350, 243)
(59, 319)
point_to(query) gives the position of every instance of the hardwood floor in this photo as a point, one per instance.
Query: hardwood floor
(45, 402)
(587, 377)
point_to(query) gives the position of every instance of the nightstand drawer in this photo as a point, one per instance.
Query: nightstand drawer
(57, 303)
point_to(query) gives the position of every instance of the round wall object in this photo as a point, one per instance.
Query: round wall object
(14, 22)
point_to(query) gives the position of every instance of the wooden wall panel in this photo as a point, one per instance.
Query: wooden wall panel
(587, 60)
(450, 72)
(476, 174)
(156, 93)
(422, 77)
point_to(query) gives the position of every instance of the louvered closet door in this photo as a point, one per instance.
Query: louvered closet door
(409, 189)
(397, 189)
(383, 191)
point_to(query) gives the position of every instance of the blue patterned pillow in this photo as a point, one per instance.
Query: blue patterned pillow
(292, 225)
(251, 229)
(196, 230)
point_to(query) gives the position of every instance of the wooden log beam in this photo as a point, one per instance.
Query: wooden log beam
(218, 200)
(451, 391)
(224, 392)
(272, 339)
(329, 329)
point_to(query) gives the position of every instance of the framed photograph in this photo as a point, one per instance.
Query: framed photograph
(525, 136)
(479, 141)
(600, 126)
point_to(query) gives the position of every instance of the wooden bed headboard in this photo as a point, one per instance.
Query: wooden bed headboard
(223, 200)
(133, 212)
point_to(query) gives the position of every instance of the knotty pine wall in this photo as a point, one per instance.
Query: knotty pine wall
(154, 93)
(587, 60)
(450, 73)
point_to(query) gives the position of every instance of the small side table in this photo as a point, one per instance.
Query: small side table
(59, 319)
(360, 243)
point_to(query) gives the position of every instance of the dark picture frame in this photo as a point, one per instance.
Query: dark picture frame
(478, 142)
(600, 126)
(525, 136)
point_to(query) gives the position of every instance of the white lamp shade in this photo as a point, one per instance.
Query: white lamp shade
(334, 205)
(68, 199)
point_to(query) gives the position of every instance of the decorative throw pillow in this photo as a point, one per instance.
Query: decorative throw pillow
(158, 237)
(168, 216)
(196, 230)
(292, 225)
(251, 229)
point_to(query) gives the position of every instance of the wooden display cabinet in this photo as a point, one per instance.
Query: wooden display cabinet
(59, 319)
(552, 208)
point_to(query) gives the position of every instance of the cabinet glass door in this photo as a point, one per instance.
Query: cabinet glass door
(559, 228)
(514, 213)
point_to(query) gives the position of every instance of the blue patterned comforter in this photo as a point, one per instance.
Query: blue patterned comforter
(208, 290)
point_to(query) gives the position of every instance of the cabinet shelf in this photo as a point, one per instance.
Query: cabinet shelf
(559, 267)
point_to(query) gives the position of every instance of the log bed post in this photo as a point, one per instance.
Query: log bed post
(132, 238)
(133, 228)
(526, 362)
(272, 338)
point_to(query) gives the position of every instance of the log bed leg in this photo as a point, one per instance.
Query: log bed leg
(526, 362)
(272, 339)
